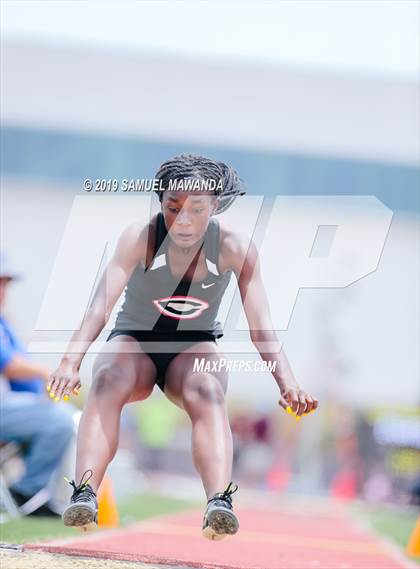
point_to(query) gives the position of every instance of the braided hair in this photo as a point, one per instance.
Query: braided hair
(195, 166)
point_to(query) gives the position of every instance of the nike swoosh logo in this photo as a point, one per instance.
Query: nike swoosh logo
(203, 285)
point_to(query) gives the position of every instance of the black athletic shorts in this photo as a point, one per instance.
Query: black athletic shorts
(176, 342)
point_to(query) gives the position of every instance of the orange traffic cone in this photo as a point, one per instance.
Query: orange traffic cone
(413, 546)
(107, 508)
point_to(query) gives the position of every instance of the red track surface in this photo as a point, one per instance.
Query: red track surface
(269, 538)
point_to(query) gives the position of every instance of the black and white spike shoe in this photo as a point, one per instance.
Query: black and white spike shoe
(219, 518)
(83, 508)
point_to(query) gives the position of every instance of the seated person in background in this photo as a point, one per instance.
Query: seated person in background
(28, 417)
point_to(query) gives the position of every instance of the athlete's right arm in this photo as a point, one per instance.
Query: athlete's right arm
(130, 251)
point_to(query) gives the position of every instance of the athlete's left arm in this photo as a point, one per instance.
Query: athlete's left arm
(244, 262)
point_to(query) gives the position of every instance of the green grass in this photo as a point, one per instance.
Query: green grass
(398, 528)
(391, 522)
(142, 506)
(136, 507)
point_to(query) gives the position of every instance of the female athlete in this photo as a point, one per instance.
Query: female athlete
(174, 271)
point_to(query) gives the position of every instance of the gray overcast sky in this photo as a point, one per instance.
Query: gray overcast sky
(379, 37)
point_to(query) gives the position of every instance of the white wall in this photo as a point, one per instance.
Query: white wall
(245, 106)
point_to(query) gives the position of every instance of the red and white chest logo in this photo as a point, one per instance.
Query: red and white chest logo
(181, 307)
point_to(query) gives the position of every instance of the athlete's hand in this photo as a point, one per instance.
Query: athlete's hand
(64, 382)
(300, 402)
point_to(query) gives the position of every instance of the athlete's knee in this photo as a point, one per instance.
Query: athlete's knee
(109, 380)
(204, 387)
(142, 390)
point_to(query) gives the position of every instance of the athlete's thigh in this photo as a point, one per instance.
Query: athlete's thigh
(182, 366)
(124, 357)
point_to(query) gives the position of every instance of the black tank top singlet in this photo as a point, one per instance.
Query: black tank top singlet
(156, 300)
